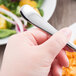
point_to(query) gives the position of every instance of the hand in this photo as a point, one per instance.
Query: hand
(35, 53)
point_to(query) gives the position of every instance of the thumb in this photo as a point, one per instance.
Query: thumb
(57, 42)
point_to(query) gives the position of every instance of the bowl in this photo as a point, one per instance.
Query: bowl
(48, 8)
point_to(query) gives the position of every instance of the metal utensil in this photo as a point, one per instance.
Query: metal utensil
(33, 17)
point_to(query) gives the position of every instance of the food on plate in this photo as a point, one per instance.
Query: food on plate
(32, 3)
(4, 7)
(74, 42)
(71, 70)
(6, 33)
(11, 21)
(2, 23)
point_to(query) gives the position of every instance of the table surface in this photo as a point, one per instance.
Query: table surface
(64, 15)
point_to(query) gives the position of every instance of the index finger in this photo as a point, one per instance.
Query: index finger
(39, 35)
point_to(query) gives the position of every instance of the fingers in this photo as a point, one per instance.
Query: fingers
(62, 59)
(55, 44)
(56, 69)
(39, 35)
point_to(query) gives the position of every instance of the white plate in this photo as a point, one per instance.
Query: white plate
(48, 7)
(73, 28)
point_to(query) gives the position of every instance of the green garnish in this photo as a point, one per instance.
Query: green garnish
(40, 2)
(29, 25)
(6, 32)
(41, 12)
(11, 5)
(9, 25)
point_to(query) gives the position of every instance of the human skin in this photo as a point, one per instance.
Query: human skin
(35, 53)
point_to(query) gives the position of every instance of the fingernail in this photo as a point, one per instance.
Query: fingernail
(67, 32)
(60, 73)
(67, 63)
